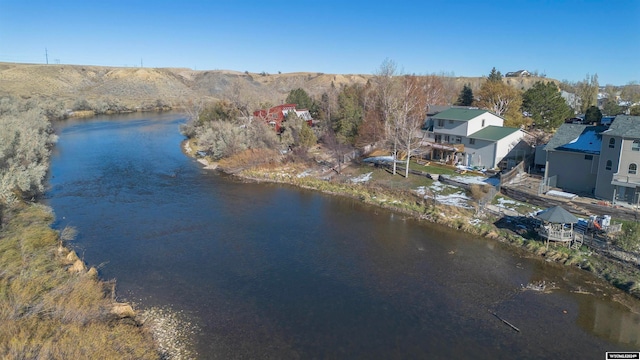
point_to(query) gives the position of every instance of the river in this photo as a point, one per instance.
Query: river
(271, 271)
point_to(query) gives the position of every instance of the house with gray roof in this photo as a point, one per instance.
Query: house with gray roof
(573, 154)
(619, 176)
(472, 137)
(599, 160)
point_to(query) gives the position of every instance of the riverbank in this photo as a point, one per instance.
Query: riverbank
(409, 202)
(51, 305)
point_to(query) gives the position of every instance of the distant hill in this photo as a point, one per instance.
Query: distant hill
(173, 85)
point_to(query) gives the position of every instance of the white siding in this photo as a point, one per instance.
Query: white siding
(475, 124)
(506, 144)
(450, 127)
(482, 153)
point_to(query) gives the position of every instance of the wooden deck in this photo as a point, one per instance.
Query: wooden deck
(555, 234)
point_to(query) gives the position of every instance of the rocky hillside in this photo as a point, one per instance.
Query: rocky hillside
(174, 85)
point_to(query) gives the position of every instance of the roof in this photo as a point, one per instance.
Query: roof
(493, 133)
(460, 114)
(435, 109)
(557, 215)
(625, 126)
(577, 138)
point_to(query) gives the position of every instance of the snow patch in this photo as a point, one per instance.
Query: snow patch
(362, 178)
(561, 194)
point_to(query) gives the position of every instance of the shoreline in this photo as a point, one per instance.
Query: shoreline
(612, 271)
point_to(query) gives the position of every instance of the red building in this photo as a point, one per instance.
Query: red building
(277, 114)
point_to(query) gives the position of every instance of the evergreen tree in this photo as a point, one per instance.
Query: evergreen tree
(546, 105)
(466, 96)
(349, 113)
(592, 115)
(494, 75)
(303, 101)
(611, 107)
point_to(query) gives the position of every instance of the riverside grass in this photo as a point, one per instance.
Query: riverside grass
(49, 312)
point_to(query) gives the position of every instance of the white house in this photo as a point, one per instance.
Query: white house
(496, 146)
(473, 137)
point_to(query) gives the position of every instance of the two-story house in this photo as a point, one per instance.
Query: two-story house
(619, 176)
(572, 157)
(598, 160)
(473, 137)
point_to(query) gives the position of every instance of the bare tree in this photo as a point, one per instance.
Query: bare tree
(240, 96)
(587, 91)
(192, 109)
(411, 110)
(387, 98)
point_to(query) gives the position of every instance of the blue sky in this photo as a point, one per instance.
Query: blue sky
(566, 40)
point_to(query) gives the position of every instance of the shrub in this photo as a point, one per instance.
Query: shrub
(26, 138)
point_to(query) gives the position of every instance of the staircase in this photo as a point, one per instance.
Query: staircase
(581, 227)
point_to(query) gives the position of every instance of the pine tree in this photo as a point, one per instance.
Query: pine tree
(592, 115)
(546, 105)
(466, 96)
(494, 75)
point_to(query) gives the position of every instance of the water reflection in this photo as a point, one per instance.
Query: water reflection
(270, 271)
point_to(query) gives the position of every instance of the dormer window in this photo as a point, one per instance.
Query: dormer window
(482, 122)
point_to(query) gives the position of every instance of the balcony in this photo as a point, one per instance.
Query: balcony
(626, 180)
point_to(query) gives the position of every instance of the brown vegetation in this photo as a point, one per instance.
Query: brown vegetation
(51, 307)
(134, 87)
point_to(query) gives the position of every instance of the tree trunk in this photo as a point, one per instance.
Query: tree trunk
(406, 172)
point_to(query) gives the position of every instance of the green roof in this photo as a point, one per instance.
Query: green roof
(459, 114)
(493, 133)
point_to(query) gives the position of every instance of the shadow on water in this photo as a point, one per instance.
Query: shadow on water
(270, 271)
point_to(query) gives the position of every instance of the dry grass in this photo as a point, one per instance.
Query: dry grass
(251, 158)
(50, 312)
(133, 86)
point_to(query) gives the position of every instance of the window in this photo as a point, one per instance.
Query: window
(633, 169)
(612, 143)
(588, 157)
(482, 122)
(440, 122)
(472, 141)
(446, 138)
(608, 166)
(458, 140)
(635, 146)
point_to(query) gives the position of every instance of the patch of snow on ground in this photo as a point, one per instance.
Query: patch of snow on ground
(561, 194)
(458, 200)
(476, 180)
(362, 178)
(504, 203)
(304, 174)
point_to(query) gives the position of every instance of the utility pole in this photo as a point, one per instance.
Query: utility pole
(46, 55)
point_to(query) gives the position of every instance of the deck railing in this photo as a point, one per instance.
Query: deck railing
(556, 235)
